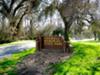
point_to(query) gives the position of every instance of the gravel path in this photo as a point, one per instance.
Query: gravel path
(8, 50)
(37, 64)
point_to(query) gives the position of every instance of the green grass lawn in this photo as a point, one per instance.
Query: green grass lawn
(85, 60)
(8, 65)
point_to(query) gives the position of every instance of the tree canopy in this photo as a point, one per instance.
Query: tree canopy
(23, 19)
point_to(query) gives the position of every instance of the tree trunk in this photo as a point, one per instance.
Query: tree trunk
(99, 36)
(67, 27)
(12, 31)
(95, 36)
(66, 32)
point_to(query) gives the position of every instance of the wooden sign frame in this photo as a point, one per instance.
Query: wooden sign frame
(51, 42)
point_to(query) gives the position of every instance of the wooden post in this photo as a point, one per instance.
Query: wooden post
(38, 43)
(64, 46)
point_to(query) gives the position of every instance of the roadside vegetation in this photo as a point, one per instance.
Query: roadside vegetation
(8, 64)
(85, 60)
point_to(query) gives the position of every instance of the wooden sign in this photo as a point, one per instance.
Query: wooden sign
(51, 42)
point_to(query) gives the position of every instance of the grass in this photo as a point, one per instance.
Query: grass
(85, 60)
(8, 65)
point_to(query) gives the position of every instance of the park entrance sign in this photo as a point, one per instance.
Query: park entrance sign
(51, 42)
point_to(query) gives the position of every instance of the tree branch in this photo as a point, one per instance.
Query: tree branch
(5, 6)
(19, 5)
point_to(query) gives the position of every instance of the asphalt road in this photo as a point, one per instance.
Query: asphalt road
(9, 50)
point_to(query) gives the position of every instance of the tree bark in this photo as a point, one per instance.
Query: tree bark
(67, 26)
(99, 36)
(66, 32)
(95, 36)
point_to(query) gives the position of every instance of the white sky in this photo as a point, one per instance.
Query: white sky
(92, 0)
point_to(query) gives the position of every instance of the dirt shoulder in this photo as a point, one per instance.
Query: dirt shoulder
(38, 63)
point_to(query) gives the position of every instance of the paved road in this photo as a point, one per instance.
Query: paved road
(8, 50)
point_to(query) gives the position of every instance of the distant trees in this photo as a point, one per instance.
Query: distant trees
(95, 19)
(95, 28)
